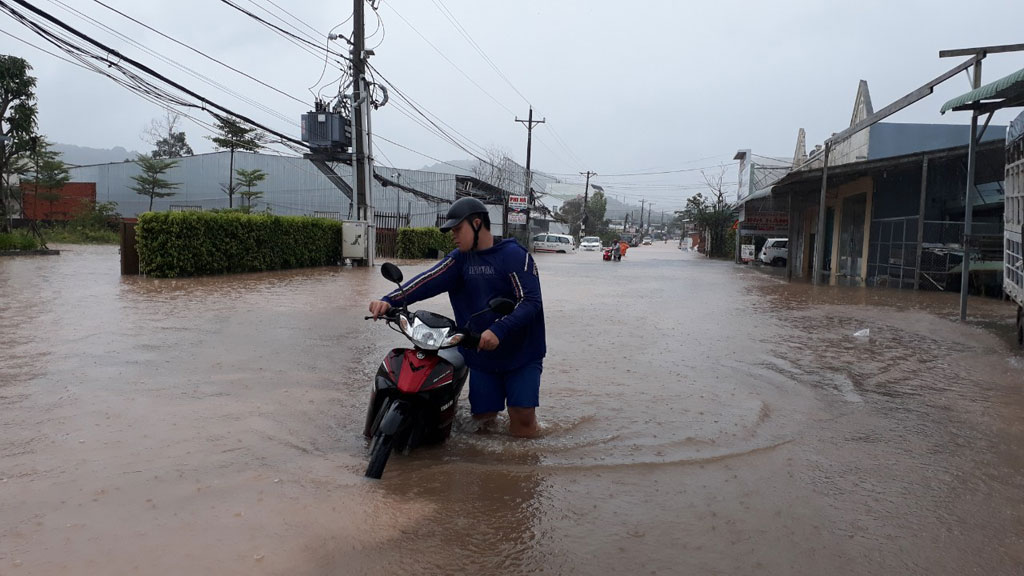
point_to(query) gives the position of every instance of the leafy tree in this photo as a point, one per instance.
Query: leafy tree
(233, 135)
(249, 179)
(17, 122)
(152, 182)
(169, 142)
(712, 215)
(95, 215)
(571, 213)
(51, 174)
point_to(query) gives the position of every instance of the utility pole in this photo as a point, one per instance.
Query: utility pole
(360, 121)
(529, 123)
(642, 200)
(972, 154)
(649, 206)
(586, 196)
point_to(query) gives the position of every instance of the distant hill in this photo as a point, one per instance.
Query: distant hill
(83, 156)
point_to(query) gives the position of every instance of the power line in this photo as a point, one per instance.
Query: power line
(305, 43)
(465, 34)
(316, 32)
(139, 83)
(447, 59)
(201, 53)
(429, 157)
(380, 28)
(561, 142)
(41, 49)
(174, 63)
(437, 130)
(682, 170)
(145, 96)
(447, 13)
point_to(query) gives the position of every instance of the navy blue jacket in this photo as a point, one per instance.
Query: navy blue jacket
(471, 280)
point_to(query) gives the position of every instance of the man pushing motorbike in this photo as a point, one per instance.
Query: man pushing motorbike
(506, 365)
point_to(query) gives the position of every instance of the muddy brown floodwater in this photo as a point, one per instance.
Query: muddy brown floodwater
(700, 418)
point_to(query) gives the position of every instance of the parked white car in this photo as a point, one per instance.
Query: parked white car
(559, 243)
(590, 243)
(775, 252)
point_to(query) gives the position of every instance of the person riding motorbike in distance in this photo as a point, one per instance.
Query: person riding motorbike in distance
(506, 365)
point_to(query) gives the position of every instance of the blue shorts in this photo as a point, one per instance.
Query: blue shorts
(489, 391)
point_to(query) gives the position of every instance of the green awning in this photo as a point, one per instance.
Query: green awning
(1009, 87)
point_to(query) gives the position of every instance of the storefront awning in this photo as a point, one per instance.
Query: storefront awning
(1005, 92)
(758, 194)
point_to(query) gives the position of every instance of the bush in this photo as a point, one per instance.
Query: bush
(172, 244)
(423, 242)
(74, 234)
(95, 216)
(18, 240)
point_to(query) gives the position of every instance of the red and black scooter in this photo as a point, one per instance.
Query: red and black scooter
(416, 390)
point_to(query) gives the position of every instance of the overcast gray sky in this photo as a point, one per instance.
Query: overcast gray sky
(660, 86)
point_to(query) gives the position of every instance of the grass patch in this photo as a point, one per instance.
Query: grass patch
(18, 240)
(72, 234)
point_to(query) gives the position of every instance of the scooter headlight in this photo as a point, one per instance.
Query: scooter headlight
(452, 340)
(429, 338)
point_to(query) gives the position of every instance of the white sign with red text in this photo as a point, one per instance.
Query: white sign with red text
(518, 202)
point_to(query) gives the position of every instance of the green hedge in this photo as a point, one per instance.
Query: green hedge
(172, 244)
(18, 241)
(423, 242)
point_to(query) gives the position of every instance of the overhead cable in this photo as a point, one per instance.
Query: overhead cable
(201, 53)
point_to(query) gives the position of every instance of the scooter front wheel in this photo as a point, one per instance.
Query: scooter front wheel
(379, 454)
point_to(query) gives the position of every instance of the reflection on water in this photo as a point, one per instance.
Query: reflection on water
(698, 417)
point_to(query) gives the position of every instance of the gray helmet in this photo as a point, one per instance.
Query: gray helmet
(460, 210)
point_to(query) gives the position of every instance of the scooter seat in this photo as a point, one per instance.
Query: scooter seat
(452, 356)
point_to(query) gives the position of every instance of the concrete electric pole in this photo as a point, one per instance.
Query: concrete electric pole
(362, 158)
(586, 197)
(530, 123)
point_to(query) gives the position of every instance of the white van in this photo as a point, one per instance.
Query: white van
(559, 243)
(775, 251)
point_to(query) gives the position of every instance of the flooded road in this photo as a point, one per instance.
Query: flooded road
(700, 418)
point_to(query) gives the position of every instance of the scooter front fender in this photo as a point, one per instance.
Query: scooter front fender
(398, 418)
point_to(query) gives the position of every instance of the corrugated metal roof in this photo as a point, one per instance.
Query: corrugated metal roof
(890, 139)
(1008, 86)
(1016, 129)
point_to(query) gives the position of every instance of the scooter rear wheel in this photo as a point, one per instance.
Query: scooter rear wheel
(379, 454)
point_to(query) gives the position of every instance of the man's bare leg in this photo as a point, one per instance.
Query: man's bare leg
(484, 420)
(522, 422)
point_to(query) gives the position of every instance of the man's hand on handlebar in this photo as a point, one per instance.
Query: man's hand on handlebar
(379, 308)
(488, 341)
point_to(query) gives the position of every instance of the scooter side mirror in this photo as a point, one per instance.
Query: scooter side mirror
(391, 272)
(501, 306)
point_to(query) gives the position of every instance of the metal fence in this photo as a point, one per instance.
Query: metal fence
(892, 252)
(388, 224)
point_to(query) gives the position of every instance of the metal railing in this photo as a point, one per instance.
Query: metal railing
(893, 247)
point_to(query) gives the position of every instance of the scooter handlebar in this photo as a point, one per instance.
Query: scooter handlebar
(470, 340)
(391, 314)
